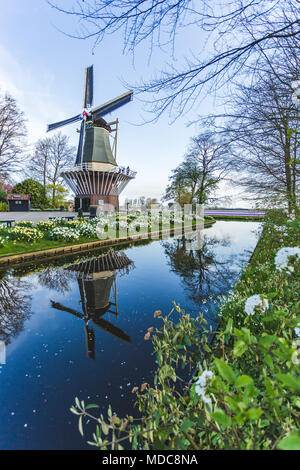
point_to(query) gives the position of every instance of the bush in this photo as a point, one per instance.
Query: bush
(24, 223)
(25, 234)
(36, 190)
(3, 207)
(63, 234)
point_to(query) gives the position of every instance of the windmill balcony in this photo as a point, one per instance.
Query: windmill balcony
(92, 166)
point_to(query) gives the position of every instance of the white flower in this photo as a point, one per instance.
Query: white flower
(283, 255)
(256, 301)
(201, 384)
(297, 330)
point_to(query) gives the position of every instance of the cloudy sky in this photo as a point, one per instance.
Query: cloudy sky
(43, 69)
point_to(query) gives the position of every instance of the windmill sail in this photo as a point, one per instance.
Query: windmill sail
(51, 127)
(88, 87)
(111, 105)
(80, 144)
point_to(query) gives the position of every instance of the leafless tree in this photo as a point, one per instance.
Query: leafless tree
(262, 122)
(14, 307)
(56, 279)
(12, 135)
(232, 34)
(52, 155)
(40, 161)
(207, 162)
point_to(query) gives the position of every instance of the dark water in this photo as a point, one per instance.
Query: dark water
(78, 329)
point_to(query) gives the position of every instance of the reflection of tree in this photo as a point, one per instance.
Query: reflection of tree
(203, 273)
(14, 307)
(56, 279)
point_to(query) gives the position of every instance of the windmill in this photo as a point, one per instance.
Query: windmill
(96, 179)
(96, 277)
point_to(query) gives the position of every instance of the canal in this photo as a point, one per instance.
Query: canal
(76, 327)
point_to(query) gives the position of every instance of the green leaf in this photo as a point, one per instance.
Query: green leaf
(254, 413)
(239, 348)
(105, 428)
(73, 410)
(80, 425)
(243, 381)
(289, 381)
(221, 418)
(225, 370)
(92, 405)
(290, 442)
(186, 424)
(267, 340)
(228, 328)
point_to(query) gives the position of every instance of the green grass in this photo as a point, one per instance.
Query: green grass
(14, 248)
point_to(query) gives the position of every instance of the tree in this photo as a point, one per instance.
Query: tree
(262, 124)
(206, 164)
(52, 155)
(14, 306)
(39, 162)
(234, 33)
(60, 194)
(12, 135)
(36, 190)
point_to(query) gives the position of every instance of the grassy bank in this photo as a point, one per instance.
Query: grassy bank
(245, 393)
(25, 237)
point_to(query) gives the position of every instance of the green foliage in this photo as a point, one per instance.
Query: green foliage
(3, 195)
(36, 190)
(246, 388)
(3, 207)
(57, 193)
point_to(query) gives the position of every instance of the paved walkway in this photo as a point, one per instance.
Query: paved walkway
(37, 216)
(34, 216)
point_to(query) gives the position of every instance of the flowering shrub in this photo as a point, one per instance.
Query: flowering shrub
(246, 384)
(24, 223)
(87, 230)
(25, 234)
(3, 240)
(283, 256)
(63, 234)
(256, 302)
(45, 225)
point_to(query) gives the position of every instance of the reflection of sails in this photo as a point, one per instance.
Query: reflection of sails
(97, 286)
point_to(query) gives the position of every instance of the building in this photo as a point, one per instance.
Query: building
(18, 202)
(97, 180)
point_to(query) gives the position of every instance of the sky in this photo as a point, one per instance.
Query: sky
(43, 69)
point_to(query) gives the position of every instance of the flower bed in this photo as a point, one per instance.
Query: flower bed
(245, 393)
(25, 236)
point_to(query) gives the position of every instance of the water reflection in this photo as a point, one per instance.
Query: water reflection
(97, 282)
(205, 273)
(15, 300)
(101, 302)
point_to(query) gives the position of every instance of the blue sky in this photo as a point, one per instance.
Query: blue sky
(44, 70)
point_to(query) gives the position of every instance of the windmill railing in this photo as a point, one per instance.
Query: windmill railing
(117, 170)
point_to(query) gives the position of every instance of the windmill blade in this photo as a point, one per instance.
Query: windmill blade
(111, 105)
(88, 90)
(80, 144)
(51, 127)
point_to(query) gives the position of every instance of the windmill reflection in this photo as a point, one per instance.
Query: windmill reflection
(98, 291)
